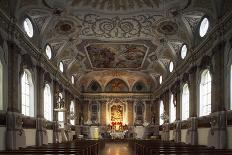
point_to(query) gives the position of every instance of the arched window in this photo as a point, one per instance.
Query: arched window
(185, 102)
(72, 110)
(27, 94)
(47, 103)
(1, 86)
(172, 110)
(161, 111)
(205, 94)
(28, 27)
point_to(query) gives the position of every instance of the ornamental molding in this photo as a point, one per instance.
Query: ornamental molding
(124, 96)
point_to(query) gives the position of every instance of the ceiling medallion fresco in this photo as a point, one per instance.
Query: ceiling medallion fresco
(108, 55)
(66, 27)
(167, 28)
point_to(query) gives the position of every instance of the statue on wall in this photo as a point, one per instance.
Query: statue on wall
(153, 119)
(81, 118)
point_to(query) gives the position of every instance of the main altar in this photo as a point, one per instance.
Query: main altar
(117, 119)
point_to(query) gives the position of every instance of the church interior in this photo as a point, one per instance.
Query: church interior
(116, 77)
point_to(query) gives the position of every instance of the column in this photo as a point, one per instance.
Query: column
(218, 116)
(103, 113)
(192, 130)
(41, 135)
(15, 137)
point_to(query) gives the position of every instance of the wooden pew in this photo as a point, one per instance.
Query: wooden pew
(154, 147)
(77, 147)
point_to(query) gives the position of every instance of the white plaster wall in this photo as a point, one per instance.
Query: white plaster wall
(171, 137)
(203, 134)
(50, 136)
(184, 135)
(2, 138)
(30, 137)
(139, 130)
(229, 137)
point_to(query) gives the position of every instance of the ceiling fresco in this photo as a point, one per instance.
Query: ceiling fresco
(130, 37)
(116, 55)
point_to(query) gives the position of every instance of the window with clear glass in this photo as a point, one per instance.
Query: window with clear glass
(161, 111)
(172, 110)
(1, 86)
(205, 94)
(171, 66)
(204, 26)
(183, 51)
(185, 102)
(27, 94)
(47, 103)
(72, 110)
(73, 79)
(61, 66)
(48, 51)
(28, 27)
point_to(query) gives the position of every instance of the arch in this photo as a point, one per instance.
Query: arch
(48, 110)
(94, 86)
(27, 94)
(117, 85)
(161, 111)
(185, 102)
(205, 93)
(139, 86)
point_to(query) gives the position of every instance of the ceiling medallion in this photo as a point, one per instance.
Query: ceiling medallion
(65, 27)
(167, 28)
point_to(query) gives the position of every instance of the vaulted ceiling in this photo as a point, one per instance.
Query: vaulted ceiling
(103, 39)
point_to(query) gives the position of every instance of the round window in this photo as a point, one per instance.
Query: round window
(183, 51)
(61, 67)
(160, 79)
(48, 51)
(171, 66)
(28, 27)
(204, 26)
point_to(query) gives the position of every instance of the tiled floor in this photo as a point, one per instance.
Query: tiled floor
(116, 149)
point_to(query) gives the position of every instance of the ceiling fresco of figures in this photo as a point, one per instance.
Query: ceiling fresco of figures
(116, 55)
(130, 37)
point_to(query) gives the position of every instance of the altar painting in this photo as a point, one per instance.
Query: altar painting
(117, 113)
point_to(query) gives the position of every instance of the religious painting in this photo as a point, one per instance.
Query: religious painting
(117, 85)
(116, 113)
(116, 55)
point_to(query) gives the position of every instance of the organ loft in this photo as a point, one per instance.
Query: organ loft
(115, 77)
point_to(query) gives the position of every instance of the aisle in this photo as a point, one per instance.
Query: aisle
(116, 148)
